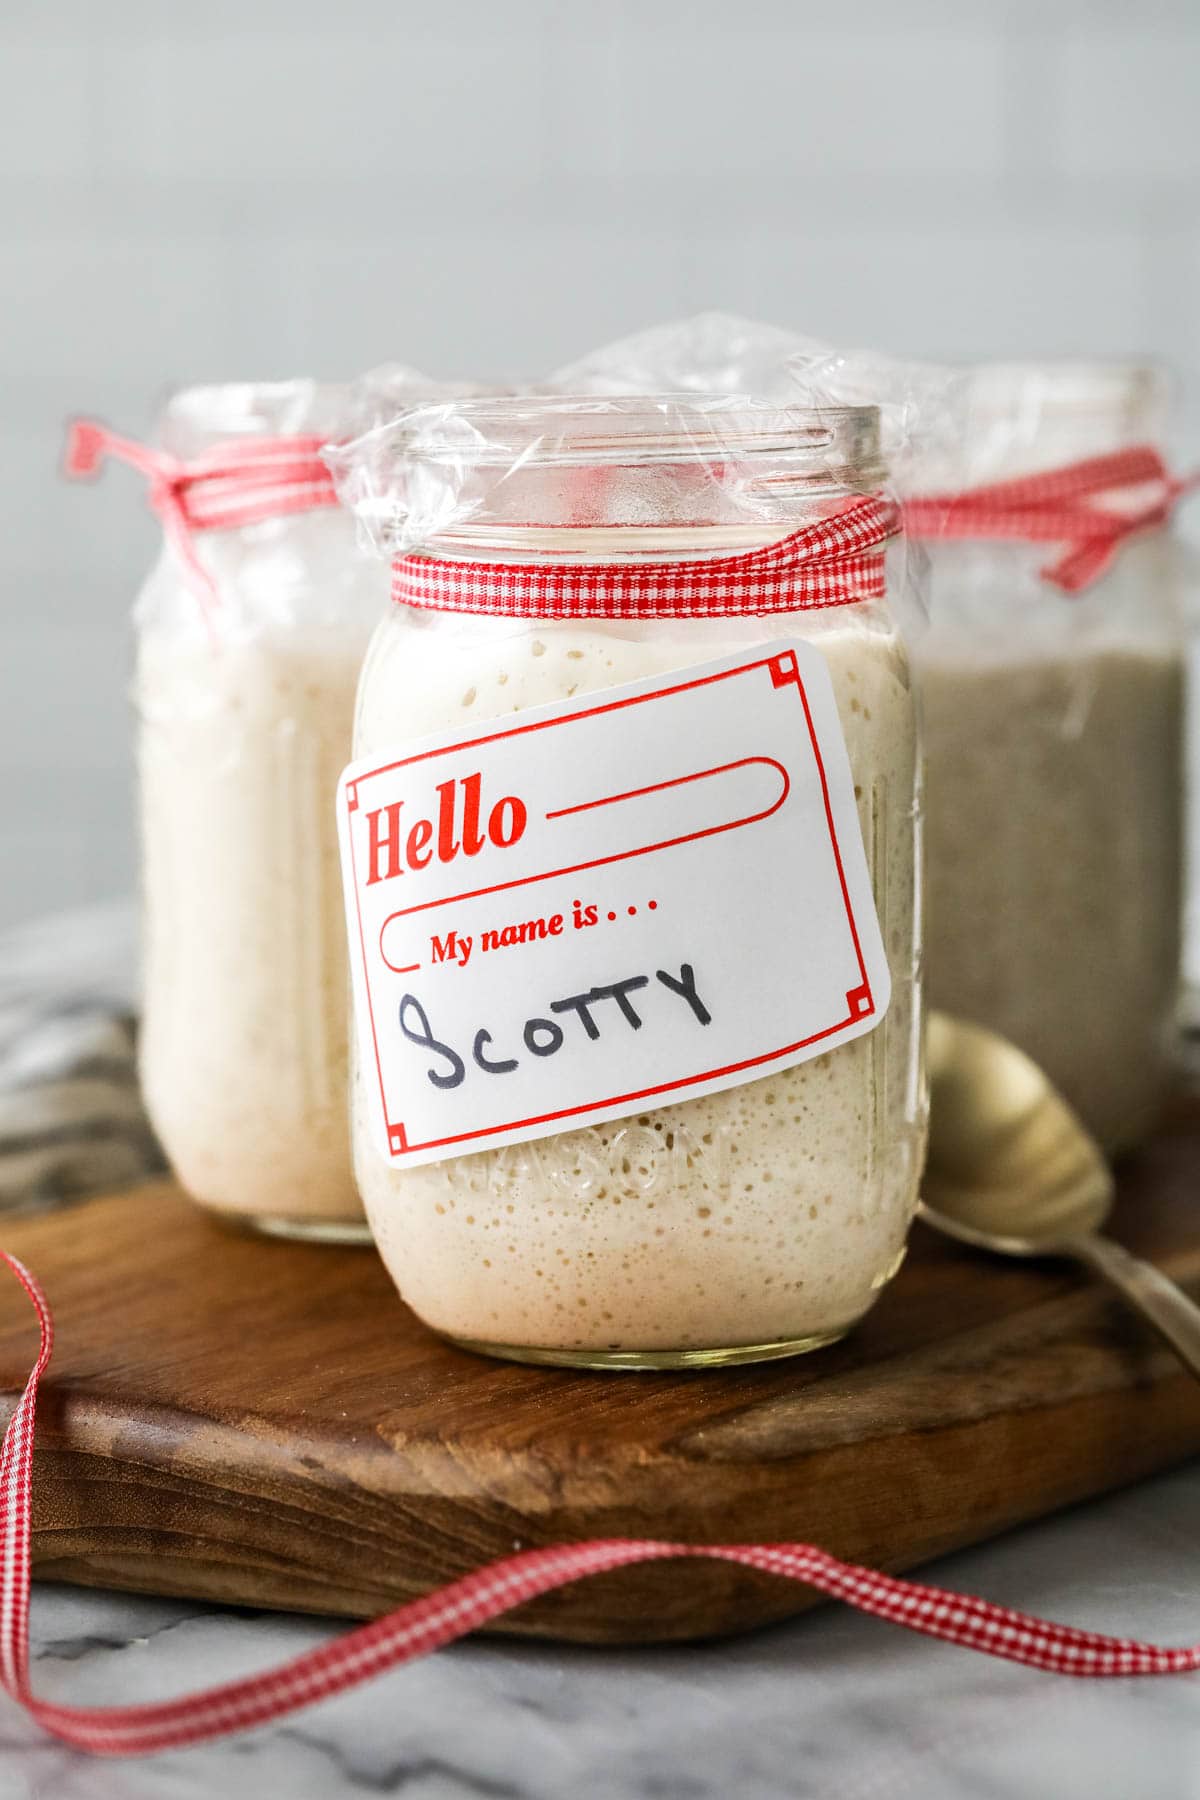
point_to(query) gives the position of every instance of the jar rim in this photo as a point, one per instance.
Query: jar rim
(578, 430)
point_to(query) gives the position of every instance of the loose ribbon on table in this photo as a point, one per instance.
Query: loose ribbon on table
(241, 481)
(463, 1606)
(832, 563)
(1062, 506)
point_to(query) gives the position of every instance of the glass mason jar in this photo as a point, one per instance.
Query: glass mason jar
(245, 723)
(1054, 737)
(755, 1222)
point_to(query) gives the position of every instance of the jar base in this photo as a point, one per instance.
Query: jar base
(302, 1231)
(635, 1361)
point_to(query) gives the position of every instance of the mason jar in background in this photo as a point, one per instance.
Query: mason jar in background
(250, 637)
(1054, 729)
(755, 1221)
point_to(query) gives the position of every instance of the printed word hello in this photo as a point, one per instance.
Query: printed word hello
(458, 824)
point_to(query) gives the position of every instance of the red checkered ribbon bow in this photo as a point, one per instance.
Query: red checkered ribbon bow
(832, 563)
(1064, 506)
(239, 482)
(451, 1612)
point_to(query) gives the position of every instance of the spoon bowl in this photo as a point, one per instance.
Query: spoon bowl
(1010, 1164)
(1012, 1169)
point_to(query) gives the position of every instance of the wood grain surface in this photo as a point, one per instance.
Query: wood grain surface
(263, 1423)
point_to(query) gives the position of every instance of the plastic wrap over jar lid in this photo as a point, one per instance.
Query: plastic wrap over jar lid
(709, 353)
(196, 418)
(471, 470)
(722, 353)
(1009, 419)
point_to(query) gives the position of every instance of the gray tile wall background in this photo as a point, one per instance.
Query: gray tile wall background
(257, 188)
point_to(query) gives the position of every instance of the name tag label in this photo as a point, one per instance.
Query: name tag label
(606, 904)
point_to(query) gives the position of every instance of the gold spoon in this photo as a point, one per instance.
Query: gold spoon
(1012, 1169)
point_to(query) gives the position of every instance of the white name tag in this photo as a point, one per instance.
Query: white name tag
(620, 901)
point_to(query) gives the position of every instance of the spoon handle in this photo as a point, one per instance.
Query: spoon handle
(1154, 1294)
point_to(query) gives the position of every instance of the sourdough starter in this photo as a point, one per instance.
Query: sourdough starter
(1053, 831)
(768, 1213)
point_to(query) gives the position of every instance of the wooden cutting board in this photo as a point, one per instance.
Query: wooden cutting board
(262, 1423)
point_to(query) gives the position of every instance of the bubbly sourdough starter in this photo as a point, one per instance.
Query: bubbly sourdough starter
(244, 1045)
(768, 1213)
(1053, 862)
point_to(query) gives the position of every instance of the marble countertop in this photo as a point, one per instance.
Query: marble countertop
(833, 1706)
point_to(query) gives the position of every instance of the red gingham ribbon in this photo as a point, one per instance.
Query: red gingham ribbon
(1060, 507)
(463, 1606)
(239, 482)
(832, 563)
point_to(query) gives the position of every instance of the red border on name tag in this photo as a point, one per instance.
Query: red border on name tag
(860, 1001)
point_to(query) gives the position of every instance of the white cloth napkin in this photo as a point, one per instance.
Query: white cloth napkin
(71, 1116)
